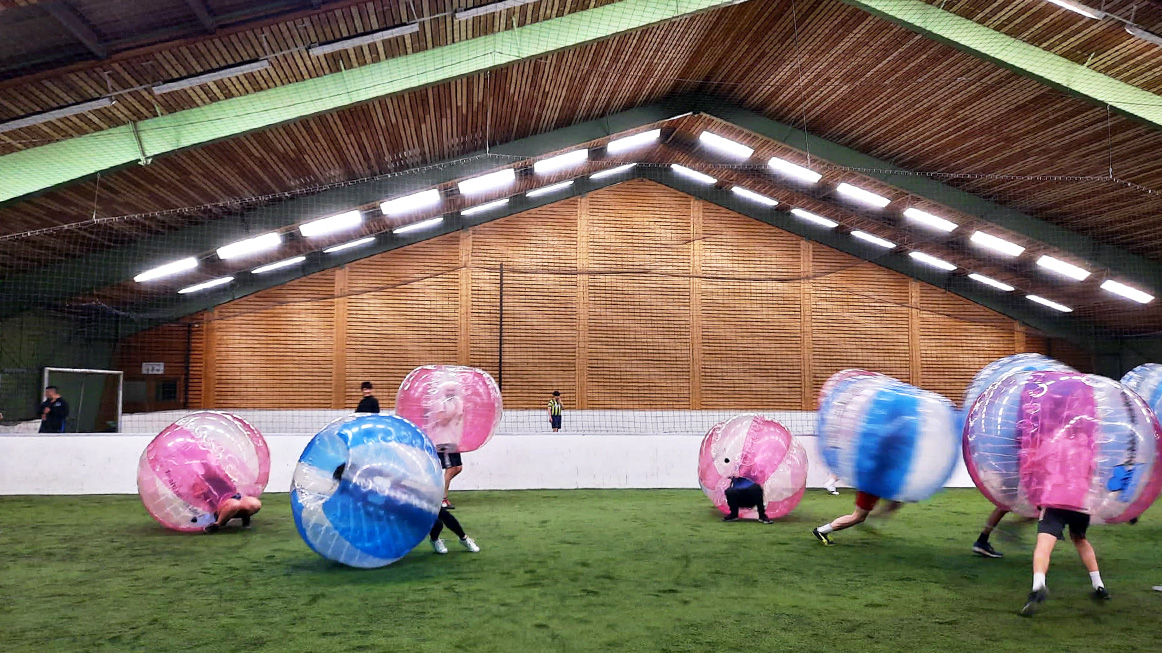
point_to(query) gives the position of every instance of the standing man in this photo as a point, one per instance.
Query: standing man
(555, 409)
(368, 404)
(53, 411)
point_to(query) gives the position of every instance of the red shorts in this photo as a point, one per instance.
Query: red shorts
(865, 501)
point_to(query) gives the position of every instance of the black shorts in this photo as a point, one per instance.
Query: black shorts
(450, 460)
(555, 421)
(1054, 520)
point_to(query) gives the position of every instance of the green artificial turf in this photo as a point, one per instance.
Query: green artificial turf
(649, 570)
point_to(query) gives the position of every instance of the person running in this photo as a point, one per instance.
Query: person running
(1050, 528)
(864, 504)
(446, 518)
(745, 493)
(368, 404)
(555, 410)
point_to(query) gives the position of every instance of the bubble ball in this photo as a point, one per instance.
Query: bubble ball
(1064, 440)
(366, 490)
(1146, 380)
(759, 449)
(458, 408)
(885, 437)
(196, 462)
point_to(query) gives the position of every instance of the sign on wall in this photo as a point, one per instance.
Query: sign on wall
(153, 368)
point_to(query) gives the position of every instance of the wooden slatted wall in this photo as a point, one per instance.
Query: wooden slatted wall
(955, 335)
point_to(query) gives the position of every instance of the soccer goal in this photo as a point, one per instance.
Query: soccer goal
(94, 397)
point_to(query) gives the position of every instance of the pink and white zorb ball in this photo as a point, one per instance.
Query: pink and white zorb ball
(755, 448)
(195, 463)
(458, 408)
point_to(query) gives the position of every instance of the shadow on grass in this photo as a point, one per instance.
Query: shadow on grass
(407, 569)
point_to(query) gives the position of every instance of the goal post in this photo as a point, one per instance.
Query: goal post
(77, 387)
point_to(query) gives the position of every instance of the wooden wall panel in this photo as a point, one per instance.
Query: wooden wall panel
(166, 344)
(958, 338)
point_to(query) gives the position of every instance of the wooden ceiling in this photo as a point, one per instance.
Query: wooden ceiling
(821, 65)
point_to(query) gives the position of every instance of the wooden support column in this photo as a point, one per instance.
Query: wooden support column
(464, 338)
(339, 353)
(1018, 337)
(806, 344)
(210, 359)
(915, 369)
(696, 305)
(582, 390)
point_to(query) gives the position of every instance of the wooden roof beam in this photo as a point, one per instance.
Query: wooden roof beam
(203, 13)
(76, 24)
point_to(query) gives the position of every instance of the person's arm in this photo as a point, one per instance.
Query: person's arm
(64, 409)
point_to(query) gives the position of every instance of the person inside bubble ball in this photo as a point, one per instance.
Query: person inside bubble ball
(1050, 528)
(447, 417)
(215, 489)
(864, 504)
(745, 493)
(235, 506)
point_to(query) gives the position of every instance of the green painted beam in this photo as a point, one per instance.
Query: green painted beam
(1020, 57)
(39, 168)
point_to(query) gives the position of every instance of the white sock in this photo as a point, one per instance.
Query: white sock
(825, 529)
(1095, 578)
(1038, 582)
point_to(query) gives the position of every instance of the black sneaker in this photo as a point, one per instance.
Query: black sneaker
(766, 520)
(212, 528)
(822, 537)
(985, 549)
(1036, 598)
(245, 521)
(447, 504)
(1100, 594)
(730, 518)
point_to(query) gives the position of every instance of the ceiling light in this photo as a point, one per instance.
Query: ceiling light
(482, 208)
(989, 281)
(250, 246)
(560, 162)
(996, 244)
(409, 203)
(212, 283)
(485, 183)
(329, 225)
(169, 269)
(1126, 291)
(929, 220)
(1078, 8)
(612, 171)
(725, 145)
(1150, 37)
(932, 261)
(620, 145)
(875, 240)
(465, 14)
(792, 170)
(373, 37)
(693, 174)
(279, 265)
(865, 196)
(753, 196)
(1063, 268)
(817, 219)
(63, 112)
(1050, 303)
(354, 243)
(422, 224)
(549, 189)
(212, 76)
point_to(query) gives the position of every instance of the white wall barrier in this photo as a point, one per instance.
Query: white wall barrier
(107, 464)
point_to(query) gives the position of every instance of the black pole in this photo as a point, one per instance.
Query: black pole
(500, 335)
(186, 382)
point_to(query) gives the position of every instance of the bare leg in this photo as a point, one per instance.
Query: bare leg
(450, 474)
(1043, 551)
(1085, 550)
(228, 510)
(991, 523)
(847, 521)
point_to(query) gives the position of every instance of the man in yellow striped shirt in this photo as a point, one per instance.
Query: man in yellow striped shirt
(555, 409)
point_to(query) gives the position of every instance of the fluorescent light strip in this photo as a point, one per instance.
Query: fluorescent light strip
(792, 170)
(465, 14)
(206, 285)
(725, 145)
(1149, 37)
(561, 161)
(1050, 303)
(693, 174)
(549, 189)
(1122, 289)
(860, 195)
(620, 145)
(63, 112)
(753, 196)
(1079, 8)
(331, 224)
(875, 240)
(932, 261)
(929, 220)
(485, 183)
(612, 171)
(481, 208)
(250, 246)
(989, 281)
(355, 243)
(279, 265)
(999, 245)
(817, 219)
(382, 35)
(1064, 269)
(212, 76)
(408, 203)
(423, 224)
(169, 269)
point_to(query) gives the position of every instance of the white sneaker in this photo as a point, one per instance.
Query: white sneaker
(438, 546)
(468, 544)
(833, 491)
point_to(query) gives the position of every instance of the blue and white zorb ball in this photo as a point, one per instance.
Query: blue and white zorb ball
(885, 437)
(367, 490)
(998, 370)
(1146, 380)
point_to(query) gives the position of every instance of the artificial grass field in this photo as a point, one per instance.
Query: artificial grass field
(619, 570)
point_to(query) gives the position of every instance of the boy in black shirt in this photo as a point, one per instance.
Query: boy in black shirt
(53, 411)
(368, 404)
